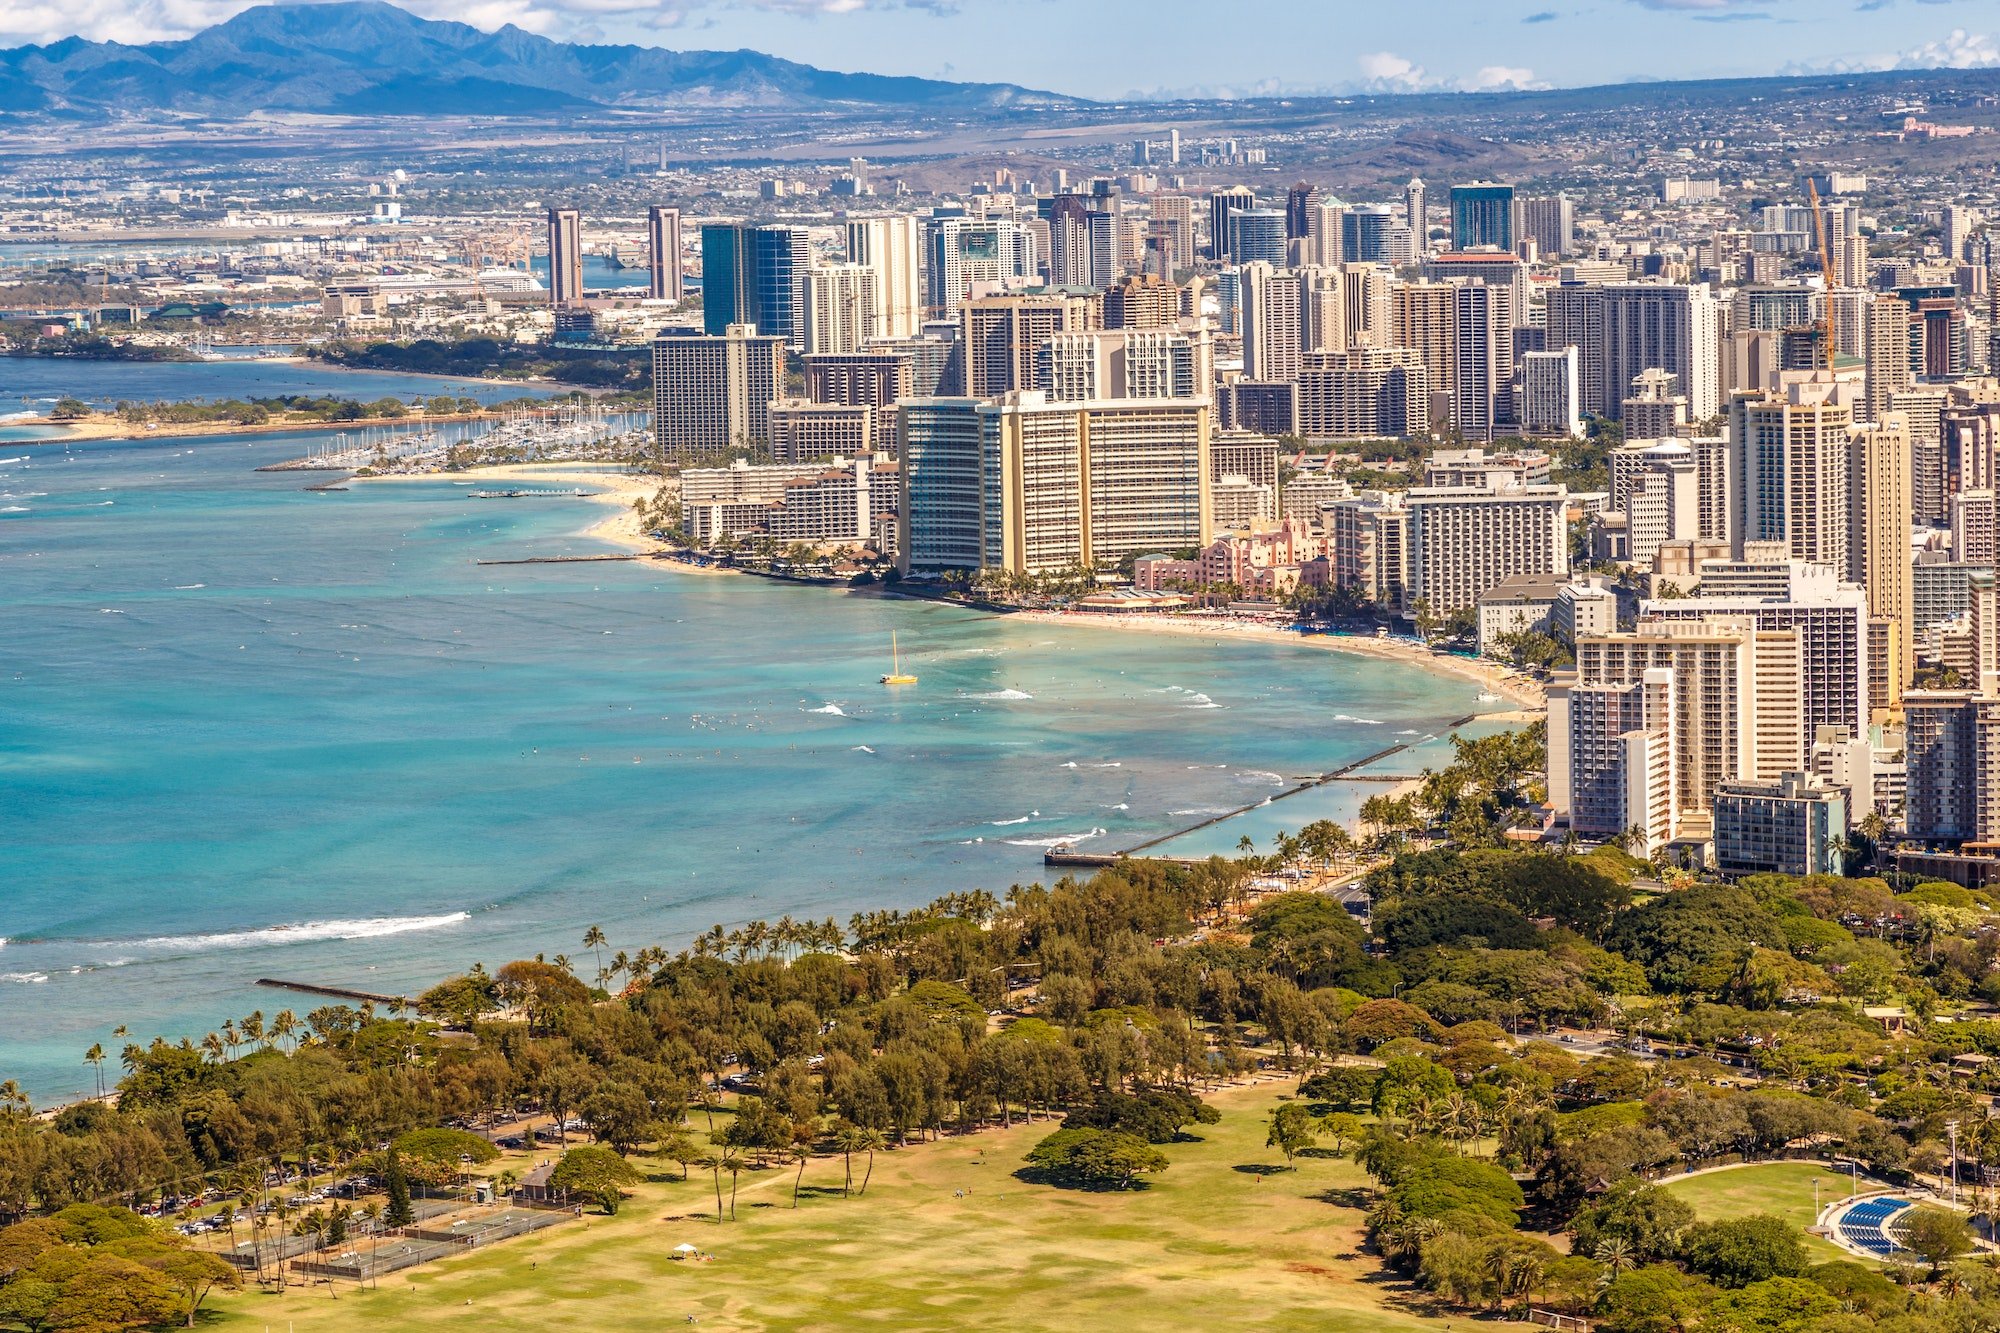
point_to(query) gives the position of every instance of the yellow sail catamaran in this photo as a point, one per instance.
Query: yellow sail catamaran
(896, 674)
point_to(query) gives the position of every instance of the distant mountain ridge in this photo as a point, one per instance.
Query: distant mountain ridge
(367, 57)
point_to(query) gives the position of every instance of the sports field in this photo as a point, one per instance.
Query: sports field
(946, 1236)
(1783, 1189)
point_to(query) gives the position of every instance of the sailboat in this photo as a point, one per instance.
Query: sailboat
(896, 675)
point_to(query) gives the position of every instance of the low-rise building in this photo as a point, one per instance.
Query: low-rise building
(1796, 825)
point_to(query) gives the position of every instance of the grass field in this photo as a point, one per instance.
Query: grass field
(1213, 1241)
(1783, 1189)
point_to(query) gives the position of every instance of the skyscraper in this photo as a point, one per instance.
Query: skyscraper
(1550, 222)
(1413, 213)
(1792, 463)
(1326, 233)
(755, 275)
(1482, 362)
(1299, 202)
(1482, 214)
(1878, 547)
(840, 308)
(712, 395)
(1257, 236)
(890, 247)
(1003, 335)
(663, 235)
(1020, 483)
(565, 257)
(962, 251)
(1222, 203)
(1664, 326)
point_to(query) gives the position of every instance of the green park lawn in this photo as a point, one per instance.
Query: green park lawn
(1783, 1189)
(1225, 1237)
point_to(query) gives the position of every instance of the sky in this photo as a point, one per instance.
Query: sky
(1112, 49)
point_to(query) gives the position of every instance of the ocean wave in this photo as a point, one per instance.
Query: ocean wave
(1358, 721)
(831, 710)
(188, 587)
(864, 749)
(13, 509)
(24, 978)
(1259, 775)
(1070, 764)
(304, 932)
(1407, 731)
(1204, 810)
(1059, 840)
(1005, 694)
(21, 458)
(1120, 806)
(1003, 823)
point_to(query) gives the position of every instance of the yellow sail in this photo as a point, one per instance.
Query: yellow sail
(896, 674)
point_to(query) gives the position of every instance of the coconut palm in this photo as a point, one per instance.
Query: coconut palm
(735, 1164)
(871, 1142)
(94, 1057)
(1615, 1253)
(847, 1140)
(800, 1154)
(712, 1163)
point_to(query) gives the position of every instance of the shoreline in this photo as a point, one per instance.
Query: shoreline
(1526, 696)
(609, 490)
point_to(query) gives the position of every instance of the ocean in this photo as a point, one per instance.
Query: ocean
(251, 731)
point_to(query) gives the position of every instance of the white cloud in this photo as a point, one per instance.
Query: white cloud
(1386, 69)
(1958, 49)
(1492, 78)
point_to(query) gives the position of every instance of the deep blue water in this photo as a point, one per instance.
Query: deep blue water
(249, 731)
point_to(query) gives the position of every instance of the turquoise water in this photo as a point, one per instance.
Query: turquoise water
(31, 384)
(249, 731)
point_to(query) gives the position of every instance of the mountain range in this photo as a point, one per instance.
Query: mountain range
(366, 57)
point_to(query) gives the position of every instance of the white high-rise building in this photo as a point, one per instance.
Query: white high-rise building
(962, 251)
(1465, 541)
(1774, 592)
(841, 308)
(890, 247)
(1549, 400)
(663, 246)
(1656, 485)
(1124, 363)
(1483, 360)
(1792, 463)
(1670, 327)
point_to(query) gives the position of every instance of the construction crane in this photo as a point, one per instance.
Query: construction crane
(1825, 354)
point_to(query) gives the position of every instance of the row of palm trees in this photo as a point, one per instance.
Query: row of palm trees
(846, 1138)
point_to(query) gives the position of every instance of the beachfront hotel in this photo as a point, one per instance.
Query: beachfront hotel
(714, 394)
(1023, 484)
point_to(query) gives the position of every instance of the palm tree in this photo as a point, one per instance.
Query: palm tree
(847, 1140)
(734, 1163)
(373, 1212)
(284, 1026)
(1615, 1253)
(711, 1163)
(94, 1057)
(800, 1154)
(871, 1141)
(593, 939)
(211, 1046)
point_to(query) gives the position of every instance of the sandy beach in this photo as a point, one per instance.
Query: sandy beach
(1489, 676)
